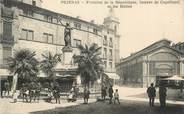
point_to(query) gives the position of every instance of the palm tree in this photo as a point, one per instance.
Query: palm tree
(24, 66)
(48, 64)
(89, 63)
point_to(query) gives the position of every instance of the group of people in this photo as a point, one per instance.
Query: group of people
(151, 91)
(54, 92)
(5, 89)
(112, 95)
(28, 92)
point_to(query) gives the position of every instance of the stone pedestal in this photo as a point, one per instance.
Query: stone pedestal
(67, 55)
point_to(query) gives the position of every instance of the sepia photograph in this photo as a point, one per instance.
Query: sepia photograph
(91, 56)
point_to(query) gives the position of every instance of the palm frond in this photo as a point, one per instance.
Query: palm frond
(89, 62)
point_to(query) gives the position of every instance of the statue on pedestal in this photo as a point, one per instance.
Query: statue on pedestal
(67, 33)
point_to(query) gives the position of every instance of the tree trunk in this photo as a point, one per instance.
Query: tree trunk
(14, 84)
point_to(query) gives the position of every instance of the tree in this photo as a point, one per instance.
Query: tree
(48, 64)
(89, 63)
(24, 65)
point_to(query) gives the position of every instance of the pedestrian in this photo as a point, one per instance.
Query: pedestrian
(110, 94)
(2, 88)
(151, 91)
(26, 94)
(50, 95)
(86, 95)
(116, 97)
(162, 95)
(15, 96)
(103, 93)
(37, 92)
(57, 96)
(7, 88)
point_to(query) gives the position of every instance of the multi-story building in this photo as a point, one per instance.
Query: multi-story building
(149, 65)
(25, 24)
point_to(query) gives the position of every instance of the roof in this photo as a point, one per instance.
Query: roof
(157, 45)
(52, 13)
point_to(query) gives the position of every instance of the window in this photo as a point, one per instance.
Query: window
(24, 34)
(48, 38)
(110, 64)
(48, 18)
(7, 29)
(105, 64)
(76, 42)
(33, 2)
(28, 13)
(110, 54)
(77, 25)
(110, 42)
(7, 3)
(95, 31)
(105, 40)
(105, 53)
(30, 35)
(7, 52)
(115, 28)
(27, 34)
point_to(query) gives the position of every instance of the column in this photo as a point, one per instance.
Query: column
(1, 21)
(182, 67)
(16, 24)
(145, 74)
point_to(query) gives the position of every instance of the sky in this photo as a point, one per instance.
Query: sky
(140, 25)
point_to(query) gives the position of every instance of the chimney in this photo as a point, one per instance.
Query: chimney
(78, 17)
(92, 21)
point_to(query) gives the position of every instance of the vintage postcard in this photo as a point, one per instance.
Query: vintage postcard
(91, 56)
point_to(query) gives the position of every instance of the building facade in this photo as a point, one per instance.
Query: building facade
(25, 24)
(152, 63)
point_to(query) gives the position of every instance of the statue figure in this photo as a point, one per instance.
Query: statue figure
(67, 33)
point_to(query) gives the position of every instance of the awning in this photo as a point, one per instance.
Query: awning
(163, 74)
(4, 72)
(112, 75)
(175, 78)
(63, 76)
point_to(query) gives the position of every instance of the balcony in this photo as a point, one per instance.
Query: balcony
(6, 39)
(104, 57)
(105, 43)
(110, 44)
(110, 59)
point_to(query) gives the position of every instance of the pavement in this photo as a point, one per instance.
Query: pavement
(7, 107)
(125, 93)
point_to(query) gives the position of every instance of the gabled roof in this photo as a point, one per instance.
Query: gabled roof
(157, 45)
